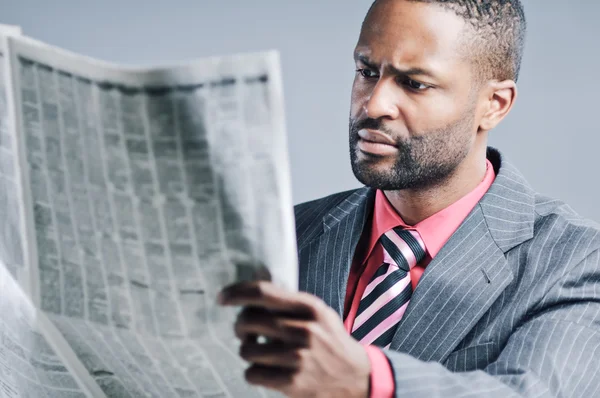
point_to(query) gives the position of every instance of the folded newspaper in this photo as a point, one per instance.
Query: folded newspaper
(128, 198)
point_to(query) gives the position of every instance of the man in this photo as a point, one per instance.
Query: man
(447, 275)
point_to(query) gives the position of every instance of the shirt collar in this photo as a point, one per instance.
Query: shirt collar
(434, 230)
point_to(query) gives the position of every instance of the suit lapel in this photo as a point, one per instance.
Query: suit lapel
(470, 271)
(329, 256)
(458, 286)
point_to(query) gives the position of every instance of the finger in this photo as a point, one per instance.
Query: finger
(275, 353)
(252, 322)
(257, 321)
(255, 311)
(269, 296)
(272, 377)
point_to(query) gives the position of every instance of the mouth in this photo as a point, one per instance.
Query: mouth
(375, 136)
(372, 142)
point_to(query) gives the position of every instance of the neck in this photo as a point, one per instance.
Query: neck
(415, 205)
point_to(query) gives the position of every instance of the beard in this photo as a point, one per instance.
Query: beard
(424, 160)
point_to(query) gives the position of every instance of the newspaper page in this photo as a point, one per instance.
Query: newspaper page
(29, 366)
(10, 30)
(11, 250)
(146, 192)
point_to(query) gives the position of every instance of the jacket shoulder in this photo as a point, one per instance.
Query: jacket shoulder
(563, 216)
(562, 233)
(309, 215)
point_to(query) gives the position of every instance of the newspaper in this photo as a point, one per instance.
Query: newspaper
(131, 196)
(10, 229)
(29, 366)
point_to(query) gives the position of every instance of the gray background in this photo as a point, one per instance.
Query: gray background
(551, 135)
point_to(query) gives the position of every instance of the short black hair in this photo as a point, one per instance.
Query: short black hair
(498, 40)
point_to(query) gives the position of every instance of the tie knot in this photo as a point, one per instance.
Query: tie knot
(404, 247)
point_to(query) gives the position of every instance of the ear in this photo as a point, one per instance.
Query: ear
(499, 100)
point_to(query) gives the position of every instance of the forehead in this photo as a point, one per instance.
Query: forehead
(412, 33)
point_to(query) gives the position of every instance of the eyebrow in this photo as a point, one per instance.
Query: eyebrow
(415, 71)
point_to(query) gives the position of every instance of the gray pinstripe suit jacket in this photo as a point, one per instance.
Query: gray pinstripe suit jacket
(509, 307)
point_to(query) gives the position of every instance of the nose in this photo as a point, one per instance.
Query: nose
(383, 101)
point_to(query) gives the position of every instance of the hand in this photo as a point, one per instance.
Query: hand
(307, 352)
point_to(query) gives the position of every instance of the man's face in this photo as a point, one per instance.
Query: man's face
(412, 119)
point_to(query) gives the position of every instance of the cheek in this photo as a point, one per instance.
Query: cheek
(430, 115)
(358, 98)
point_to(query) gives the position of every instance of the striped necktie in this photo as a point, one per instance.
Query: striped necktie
(386, 297)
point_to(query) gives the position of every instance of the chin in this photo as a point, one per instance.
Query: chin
(371, 173)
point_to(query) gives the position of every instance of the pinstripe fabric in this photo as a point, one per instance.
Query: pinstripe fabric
(509, 307)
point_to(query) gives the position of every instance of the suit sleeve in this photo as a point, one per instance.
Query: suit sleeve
(554, 354)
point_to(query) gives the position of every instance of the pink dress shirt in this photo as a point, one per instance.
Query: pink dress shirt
(435, 232)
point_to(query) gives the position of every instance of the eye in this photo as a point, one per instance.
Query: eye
(414, 85)
(368, 73)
